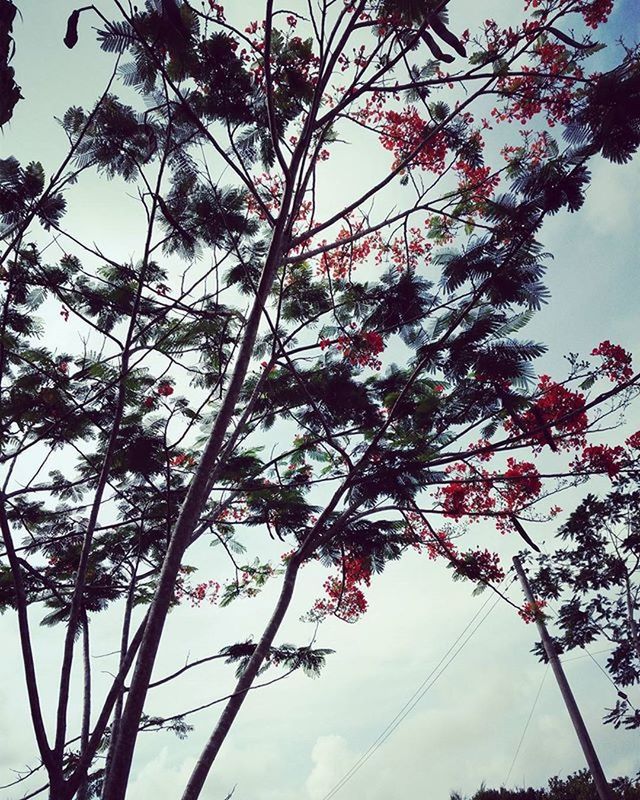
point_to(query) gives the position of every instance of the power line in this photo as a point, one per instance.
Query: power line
(526, 726)
(590, 655)
(415, 698)
(587, 654)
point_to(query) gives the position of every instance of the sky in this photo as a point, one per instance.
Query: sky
(298, 738)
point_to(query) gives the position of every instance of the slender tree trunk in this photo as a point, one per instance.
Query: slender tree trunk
(208, 755)
(118, 776)
(124, 646)
(313, 540)
(86, 710)
(25, 643)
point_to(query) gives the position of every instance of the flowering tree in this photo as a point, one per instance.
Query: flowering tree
(264, 297)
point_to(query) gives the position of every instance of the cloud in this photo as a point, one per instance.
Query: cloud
(332, 758)
(162, 776)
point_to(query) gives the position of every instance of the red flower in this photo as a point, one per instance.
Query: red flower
(149, 402)
(217, 9)
(361, 349)
(601, 458)
(180, 459)
(207, 591)
(345, 598)
(405, 132)
(616, 362)
(532, 611)
(557, 410)
(165, 389)
(634, 441)
(523, 485)
(596, 12)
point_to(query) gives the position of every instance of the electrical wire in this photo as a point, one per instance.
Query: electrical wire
(415, 698)
(526, 726)
(605, 672)
(587, 654)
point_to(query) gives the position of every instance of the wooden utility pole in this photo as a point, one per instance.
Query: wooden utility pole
(602, 787)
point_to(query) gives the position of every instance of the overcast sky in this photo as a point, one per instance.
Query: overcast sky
(298, 738)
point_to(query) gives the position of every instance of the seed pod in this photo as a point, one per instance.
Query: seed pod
(71, 36)
(435, 49)
(439, 28)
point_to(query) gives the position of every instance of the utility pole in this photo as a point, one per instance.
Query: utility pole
(602, 787)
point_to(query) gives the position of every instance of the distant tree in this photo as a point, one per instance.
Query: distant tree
(291, 353)
(578, 786)
(596, 580)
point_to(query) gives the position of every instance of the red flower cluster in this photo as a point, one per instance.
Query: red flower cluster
(408, 251)
(534, 150)
(468, 496)
(634, 441)
(271, 189)
(182, 459)
(345, 598)
(476, 565)
(530, 612)
(481, 493)
(164, 389)
(527, 97)
(437, 543)
(218, 10)
(360, 349)
(236, 512)
(558, 410)
(339, 261)
(196, 595)
(596, 12)
(601, 458)
(405, 131)
(547, 87)
(616, 361)
(523, 484)
(476, 182)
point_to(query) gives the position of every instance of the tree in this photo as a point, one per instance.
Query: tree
(595, 579)
(9, 89)
(578, 786)
(125, 450)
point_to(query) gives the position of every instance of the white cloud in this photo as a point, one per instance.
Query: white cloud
(163, 776)
(332, 758)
